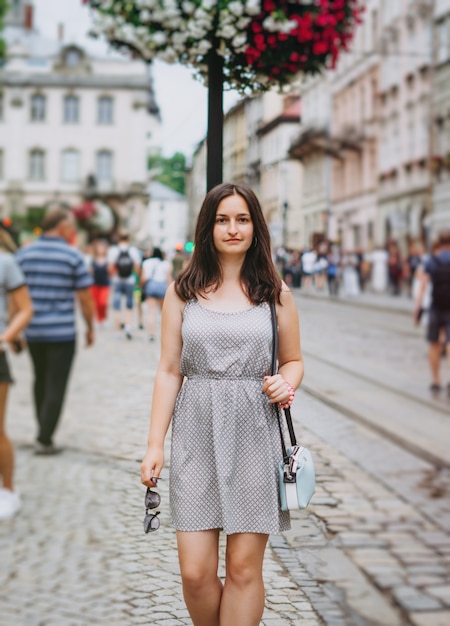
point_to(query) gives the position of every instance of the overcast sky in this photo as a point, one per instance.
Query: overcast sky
(182, 100)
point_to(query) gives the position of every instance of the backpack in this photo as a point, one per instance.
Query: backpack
(124, 264)
(440, 279)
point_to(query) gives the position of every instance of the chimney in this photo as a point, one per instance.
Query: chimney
(60, 32)
(28, 17)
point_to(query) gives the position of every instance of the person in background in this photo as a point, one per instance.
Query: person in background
(56, 276)
(320, 266)
(437, 272)
(123, 260)
(214, 380)
(14, 297)
(178, 261)
(156, 276)
(309, 258)
(417, 281)
(395, 268)
(100, 275)
(379, 262)
(333, 271)
(413, 262)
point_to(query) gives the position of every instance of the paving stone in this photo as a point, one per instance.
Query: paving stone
(434, 618)
(412, 600)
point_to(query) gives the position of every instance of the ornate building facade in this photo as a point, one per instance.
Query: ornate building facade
(76, 122)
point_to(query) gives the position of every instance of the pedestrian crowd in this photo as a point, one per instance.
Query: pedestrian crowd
(40, 284)
(328, 266)
(423, 276)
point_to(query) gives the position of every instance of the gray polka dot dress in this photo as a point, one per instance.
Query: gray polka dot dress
(225, 439)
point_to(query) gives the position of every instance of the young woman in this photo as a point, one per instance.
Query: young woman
(14, 299)
(155, 277)
(217, 340)
(100, 275)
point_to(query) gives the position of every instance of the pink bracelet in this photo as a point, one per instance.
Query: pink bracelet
(288, 404)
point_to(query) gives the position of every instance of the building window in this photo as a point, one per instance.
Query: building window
(37, 113)
(70, 166)
(71, 110)
(443, 41)
(104, 165)
(73, 58)
(37, 165)
(105, 110)
(1, 165)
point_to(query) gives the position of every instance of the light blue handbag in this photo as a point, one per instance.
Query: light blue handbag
(297, 477)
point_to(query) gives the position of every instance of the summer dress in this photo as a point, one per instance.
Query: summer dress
(225, 438)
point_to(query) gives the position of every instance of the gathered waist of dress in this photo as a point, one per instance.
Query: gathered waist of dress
(203, 377)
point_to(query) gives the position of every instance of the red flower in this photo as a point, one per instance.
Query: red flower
(320, 47)
(260, 42)
(269, 6)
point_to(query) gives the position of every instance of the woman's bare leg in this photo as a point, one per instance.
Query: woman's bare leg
(6, 447)
(243, 592)
(202, 589)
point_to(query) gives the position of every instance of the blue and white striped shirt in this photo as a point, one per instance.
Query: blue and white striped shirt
(53, 271)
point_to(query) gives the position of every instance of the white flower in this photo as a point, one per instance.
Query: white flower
(239, 40)
(145, 15)
(253, 7)
(188, 7)
(270, 24)
(204, 46)
(179, 39)
(236, 8)
(159, 38)
(243, 22)
(169, 55)
(228, 32)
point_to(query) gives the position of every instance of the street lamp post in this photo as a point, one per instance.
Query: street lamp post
(214, 141)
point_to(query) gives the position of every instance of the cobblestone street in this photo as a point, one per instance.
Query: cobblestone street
(77, 554)
(373, 548)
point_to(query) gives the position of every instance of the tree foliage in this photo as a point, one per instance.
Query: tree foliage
(169, 171)
(3, 8)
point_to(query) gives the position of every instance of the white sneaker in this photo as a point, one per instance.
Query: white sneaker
(9, 503)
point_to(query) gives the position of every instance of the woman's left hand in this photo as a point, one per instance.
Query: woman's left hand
(276, 389)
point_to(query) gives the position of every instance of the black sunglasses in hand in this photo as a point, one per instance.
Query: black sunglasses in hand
(151, 520)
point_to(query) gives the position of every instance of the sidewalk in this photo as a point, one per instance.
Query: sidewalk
(384, 302)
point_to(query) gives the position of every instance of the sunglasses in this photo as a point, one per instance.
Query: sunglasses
(151, 520)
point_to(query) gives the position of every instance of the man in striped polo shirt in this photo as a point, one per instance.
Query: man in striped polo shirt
(56, 275)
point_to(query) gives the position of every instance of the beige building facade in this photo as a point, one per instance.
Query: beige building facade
(355, 117)
(314, 149)
(405, 184)
(440, 217)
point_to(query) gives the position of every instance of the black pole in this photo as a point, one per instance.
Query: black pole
(214, 141)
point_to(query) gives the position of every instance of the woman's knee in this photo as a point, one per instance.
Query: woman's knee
(243, 571)
(197, 577)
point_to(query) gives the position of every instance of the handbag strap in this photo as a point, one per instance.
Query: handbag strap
(273, 371)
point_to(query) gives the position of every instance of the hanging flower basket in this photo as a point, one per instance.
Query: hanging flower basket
(262, 42)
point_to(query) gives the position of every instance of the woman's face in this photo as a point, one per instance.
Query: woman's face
(233, 228)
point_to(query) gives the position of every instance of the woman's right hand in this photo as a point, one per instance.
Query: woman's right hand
(152, 465)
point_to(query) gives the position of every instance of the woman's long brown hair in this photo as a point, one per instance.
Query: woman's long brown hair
(258, 274)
